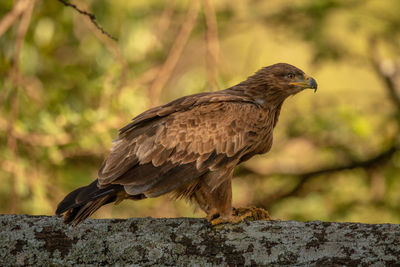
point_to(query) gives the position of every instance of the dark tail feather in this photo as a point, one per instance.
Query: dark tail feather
(84, 201)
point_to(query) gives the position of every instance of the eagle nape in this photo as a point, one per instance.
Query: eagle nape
(190, 147)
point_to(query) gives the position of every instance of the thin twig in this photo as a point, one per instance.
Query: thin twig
(115, 50)
(212, 44)
(174, 54)
(92, 18)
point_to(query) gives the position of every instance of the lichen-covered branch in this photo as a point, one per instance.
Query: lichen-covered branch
(44, 241)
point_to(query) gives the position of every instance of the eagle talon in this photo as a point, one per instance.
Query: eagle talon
(213, 216)
(253, 213)
(242, 215)
(231, 219)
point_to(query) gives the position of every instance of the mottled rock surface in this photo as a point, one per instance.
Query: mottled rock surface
(44, 241)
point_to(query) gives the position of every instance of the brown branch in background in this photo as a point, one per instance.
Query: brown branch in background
(165, 19)
(8, 20)
(377, 185)
(386, 76)
(304, 177)
(16, 79)
(90, 16)
(212, 44)
(145, 77)
(11, 17)
(174, 54)
(149, 75)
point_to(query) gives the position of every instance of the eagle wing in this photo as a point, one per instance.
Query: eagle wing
(169, 146)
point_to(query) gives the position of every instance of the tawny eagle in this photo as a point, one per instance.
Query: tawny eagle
(190, 146)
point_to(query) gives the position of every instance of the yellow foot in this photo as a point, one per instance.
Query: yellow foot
(239, 214)
(255, 213)
(230, 219)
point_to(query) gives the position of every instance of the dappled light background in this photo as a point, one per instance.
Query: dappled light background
(67, 86)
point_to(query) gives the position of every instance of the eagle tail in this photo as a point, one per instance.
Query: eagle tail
(83, 202)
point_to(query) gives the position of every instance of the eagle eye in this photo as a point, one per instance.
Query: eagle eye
(291, 75)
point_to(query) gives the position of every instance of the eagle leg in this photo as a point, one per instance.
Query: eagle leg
(220, 203)
(217, 203)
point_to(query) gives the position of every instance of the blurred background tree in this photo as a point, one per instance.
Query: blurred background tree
(69, 81)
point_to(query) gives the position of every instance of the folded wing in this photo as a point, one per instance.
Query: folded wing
(171, 145)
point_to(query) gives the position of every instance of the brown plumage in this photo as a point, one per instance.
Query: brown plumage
(189, 147)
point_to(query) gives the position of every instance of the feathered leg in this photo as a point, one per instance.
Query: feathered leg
(218, 205)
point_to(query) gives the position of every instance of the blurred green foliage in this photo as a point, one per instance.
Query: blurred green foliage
(69, 88)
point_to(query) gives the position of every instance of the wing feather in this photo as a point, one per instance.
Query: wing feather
(169, 146)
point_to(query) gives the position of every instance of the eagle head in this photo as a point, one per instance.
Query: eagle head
(277, 82)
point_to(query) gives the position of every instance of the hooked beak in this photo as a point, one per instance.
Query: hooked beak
(308, 82)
